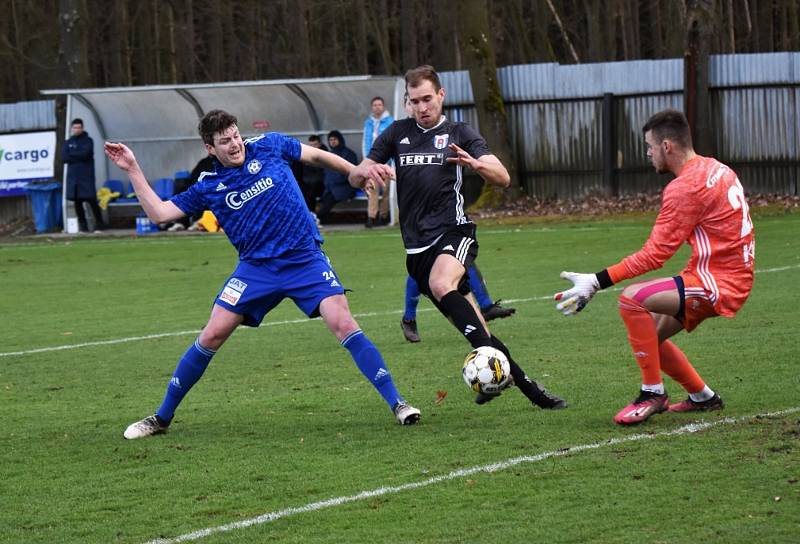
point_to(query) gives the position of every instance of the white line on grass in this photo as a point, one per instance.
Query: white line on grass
(86, 242)
(276, 323)
(491, 467)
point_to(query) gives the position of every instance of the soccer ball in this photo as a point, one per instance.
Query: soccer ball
(486, 370)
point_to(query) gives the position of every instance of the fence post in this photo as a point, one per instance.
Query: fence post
(610, 181)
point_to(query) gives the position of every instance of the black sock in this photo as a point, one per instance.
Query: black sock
(455, 306)
(528, 387)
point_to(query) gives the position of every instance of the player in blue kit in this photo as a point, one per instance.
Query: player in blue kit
(258, 203)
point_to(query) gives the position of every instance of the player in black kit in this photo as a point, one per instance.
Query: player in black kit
(430, 153)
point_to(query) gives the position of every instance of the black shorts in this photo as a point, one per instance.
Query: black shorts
(459, 242)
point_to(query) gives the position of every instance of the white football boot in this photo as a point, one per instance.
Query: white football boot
(406, 414)
(146, 427)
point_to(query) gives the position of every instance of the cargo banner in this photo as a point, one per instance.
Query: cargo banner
(25, 157)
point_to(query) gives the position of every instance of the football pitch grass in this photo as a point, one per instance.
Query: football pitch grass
(284, 441)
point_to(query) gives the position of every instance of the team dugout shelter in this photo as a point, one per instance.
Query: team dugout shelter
(159, 122)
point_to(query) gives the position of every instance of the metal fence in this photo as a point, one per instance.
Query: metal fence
(568, 122)
(28, 116)
(576, 129)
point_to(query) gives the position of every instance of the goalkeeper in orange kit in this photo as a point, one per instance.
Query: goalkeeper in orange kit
(705, 207)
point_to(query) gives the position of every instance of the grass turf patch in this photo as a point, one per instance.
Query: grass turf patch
(282, 417)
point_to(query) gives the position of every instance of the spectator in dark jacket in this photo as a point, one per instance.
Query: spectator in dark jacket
(78, 155)
(337, 188)
(312, 179)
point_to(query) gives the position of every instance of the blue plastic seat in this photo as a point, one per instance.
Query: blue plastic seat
(164, 188)
(116, 186)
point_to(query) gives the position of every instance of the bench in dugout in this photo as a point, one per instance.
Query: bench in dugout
(127, 207)
(359, 204)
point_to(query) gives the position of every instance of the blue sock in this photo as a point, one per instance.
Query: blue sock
(189, 369)
(478, 288)
(412, 299)
(370, 363)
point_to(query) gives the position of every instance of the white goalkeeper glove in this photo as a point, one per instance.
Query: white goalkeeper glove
(572, 301)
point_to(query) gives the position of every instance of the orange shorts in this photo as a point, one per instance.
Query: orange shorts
(695, 304)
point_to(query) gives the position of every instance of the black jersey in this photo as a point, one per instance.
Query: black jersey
(428, 188)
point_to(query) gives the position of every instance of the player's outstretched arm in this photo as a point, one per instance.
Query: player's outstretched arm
(370, 172)
(156, 209)
(488, 167)
(324, 159)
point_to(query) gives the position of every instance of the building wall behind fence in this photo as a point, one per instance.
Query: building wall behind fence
(557, 124)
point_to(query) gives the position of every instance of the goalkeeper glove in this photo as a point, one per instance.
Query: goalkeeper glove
(572, 301)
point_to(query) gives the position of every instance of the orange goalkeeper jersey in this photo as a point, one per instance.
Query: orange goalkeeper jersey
(704, 206)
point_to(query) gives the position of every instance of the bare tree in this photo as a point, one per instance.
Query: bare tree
(563, 31)
(119, 48)
(408, 42)
(699, 35)
(378, 16)
(14, 42)
(792, 17)
(477, 49)
(73, 53)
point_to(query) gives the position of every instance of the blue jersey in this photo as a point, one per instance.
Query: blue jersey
(259, 204)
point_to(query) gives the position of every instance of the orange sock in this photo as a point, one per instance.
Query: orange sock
(678, 367)
(643, 338)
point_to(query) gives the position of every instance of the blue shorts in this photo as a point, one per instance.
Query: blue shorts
(256, 287)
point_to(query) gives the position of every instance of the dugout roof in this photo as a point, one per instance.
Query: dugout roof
(159, 122)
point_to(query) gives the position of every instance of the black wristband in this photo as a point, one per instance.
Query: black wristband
(604, 279)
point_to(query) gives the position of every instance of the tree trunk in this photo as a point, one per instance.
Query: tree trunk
(562, 30)
(184, 39)
(675, 29)
(656, 29)
(609, 26)
(477, 49)
(125, 44)
(301, 18)
(360, 38)
(793, 18)
(141, 41)
(18, 54)
(214, 47)
(155, 43)
(730, 45)
(765, 25)
(409, 56)
(117, 39)
(73, 53)
(377, 17)
(519, 39)
(632, 27)
(699, 34)
(72, 15)
(440, 46)
(172, 67)
(623, 34)
(748, 22)
(595, 51)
